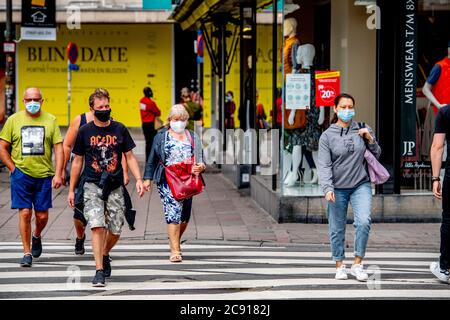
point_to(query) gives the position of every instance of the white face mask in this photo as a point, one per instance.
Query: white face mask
(178, 126)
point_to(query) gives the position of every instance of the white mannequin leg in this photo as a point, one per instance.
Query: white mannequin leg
(287, 162)
(311, 172)
(315, 174)
(296, 159)
(321, 116)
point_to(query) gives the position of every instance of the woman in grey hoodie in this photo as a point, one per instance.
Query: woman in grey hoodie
(344, 179)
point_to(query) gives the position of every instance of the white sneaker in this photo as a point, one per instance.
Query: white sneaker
(442, 275)
(341, 273)
(357, 271)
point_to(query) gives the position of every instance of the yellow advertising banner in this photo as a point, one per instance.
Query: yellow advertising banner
(263, 74)
(123, 58)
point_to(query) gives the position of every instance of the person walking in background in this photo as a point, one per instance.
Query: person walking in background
(173, 145)
(194, 110)
(69, 140)
(441, 269)
(261, 113)
(31, 135)
(279, 111)
(98, 148)
(344, 179)
(230, 109)
(149, 112)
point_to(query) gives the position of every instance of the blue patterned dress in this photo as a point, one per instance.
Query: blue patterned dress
(175, 212)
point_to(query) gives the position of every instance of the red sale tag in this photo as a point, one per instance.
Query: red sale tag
(327, 87)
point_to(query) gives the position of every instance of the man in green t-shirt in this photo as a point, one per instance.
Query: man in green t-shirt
(26, 143)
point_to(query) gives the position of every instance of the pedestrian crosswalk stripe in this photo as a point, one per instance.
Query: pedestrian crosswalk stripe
(230, 284)
(230, 261)
(142, 271)
(205, 251)
(285, 294)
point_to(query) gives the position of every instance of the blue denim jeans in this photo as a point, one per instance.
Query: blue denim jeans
(361, 200)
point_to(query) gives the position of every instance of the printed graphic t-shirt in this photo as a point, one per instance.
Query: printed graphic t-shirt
(32, 141)
(102, 148)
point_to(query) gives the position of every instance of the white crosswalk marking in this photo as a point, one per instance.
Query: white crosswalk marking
(210, 272)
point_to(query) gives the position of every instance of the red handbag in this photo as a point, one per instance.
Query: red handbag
(182, 182)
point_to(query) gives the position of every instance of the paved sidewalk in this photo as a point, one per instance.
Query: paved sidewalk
(221, 213)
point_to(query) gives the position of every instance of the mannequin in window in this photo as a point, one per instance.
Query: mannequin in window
(305, 141)
(437, 87)
(247, 112)
(293, 128)
(291, 41)
(437, 90)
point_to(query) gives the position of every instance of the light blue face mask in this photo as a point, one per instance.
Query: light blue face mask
(33, 107)
(346, 115)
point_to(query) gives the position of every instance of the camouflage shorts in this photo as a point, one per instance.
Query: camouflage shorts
(94, 209)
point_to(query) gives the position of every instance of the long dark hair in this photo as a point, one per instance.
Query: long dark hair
(336, 103)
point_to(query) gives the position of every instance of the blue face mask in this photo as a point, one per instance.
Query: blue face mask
(33, 107)
(346, 115)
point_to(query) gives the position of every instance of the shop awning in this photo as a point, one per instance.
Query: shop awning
(189, 12)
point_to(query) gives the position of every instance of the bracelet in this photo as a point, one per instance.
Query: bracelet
(434, 179)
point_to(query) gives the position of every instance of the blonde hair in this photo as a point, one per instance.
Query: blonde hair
(178, 110)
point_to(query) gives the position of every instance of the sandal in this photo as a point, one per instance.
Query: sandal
(175, 257)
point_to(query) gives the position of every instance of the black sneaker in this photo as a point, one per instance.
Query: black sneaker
(99, 279)
(107, 266)
(79, 245)
(36, 247)
(27, 261)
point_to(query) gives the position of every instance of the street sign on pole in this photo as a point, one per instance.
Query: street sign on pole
(72, 52)
(9, 47)
(72, 56)
(10, 71)
(38, 20)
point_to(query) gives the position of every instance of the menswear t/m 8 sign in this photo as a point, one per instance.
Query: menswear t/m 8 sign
(409, 78)
(121, 58)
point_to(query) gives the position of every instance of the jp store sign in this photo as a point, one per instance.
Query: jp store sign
(38, 20)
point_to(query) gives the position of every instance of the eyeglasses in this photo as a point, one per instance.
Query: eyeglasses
(33, 99)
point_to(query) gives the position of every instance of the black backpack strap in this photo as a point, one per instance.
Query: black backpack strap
(83, 120)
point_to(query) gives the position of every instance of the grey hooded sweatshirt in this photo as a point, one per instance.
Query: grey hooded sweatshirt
(341, 157)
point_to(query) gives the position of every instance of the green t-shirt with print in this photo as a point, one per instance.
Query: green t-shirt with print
(32, 141)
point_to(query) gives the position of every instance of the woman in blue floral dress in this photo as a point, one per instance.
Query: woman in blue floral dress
(173, 145)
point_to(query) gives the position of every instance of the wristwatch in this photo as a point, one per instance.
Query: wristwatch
(434, 179)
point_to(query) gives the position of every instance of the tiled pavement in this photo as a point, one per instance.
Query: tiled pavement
(221, 213)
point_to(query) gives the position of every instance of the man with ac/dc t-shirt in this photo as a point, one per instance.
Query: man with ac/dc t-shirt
(99, 145)
(441, 269)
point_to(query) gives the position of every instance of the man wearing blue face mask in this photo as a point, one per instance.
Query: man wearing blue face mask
(31, 135)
